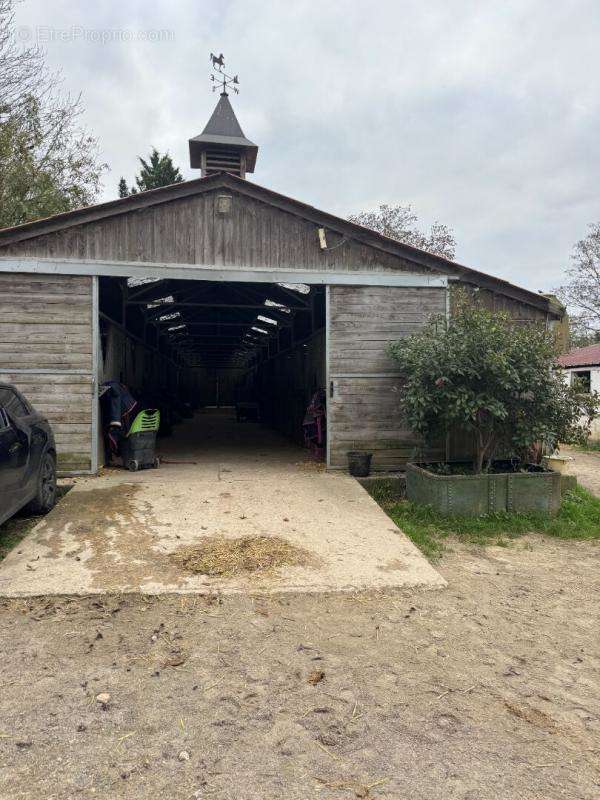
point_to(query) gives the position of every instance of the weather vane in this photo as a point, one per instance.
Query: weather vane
(221, 80)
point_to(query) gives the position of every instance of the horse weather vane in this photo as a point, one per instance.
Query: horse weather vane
(221, 80)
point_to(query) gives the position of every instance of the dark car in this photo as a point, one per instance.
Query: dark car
(27, 457)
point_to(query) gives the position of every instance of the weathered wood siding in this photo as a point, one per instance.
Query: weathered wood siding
(191, 231)
(364, 411)
(520, 313)
(46, 324)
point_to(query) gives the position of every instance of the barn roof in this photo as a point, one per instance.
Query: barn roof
(581, 357)
(224, 124)
(222, 180)
(223, 129)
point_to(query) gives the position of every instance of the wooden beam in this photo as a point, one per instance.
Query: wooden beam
(168, 307)
(127, 269)
(243, 324)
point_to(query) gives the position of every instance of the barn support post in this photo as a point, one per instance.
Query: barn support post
(328, 384)
(96, 356)
(448, 313)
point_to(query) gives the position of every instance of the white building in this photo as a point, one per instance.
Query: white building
(583, 365)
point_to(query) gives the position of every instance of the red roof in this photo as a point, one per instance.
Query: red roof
(582, 357)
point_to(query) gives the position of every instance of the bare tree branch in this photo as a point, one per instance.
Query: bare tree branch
(581, 293)
(400, 223)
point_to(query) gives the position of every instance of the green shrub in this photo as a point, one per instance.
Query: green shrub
(483, 373)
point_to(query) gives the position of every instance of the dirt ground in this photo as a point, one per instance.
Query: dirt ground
(487, 689)
(586, 465)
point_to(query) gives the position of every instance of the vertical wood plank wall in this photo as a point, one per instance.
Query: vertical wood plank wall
(192, 231)
(46, 351)
(363, 412)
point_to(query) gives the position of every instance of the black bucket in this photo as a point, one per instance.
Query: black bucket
(359, 463)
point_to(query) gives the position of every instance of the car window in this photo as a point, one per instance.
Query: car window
(3, 420)
(12, 403)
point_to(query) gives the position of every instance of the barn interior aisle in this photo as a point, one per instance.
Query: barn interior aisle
(215, 438)
(234, 358)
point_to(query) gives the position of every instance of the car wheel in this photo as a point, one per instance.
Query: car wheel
(156, 463)
(45, 498)
(133, 465)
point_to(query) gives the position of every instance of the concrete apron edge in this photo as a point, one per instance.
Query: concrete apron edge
(391, 590)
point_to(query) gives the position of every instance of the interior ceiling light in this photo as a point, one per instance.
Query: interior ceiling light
(259, 330)
(161, 301)
(267, 319)
(279, 306)
(176, 327)
(166, 317)
(141, 281)
(301, 288)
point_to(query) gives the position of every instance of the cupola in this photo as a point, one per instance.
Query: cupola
(222, 146)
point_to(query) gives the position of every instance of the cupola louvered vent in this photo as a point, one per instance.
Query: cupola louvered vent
(224, 160)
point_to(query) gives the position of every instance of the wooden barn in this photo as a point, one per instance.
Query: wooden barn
(219, 290)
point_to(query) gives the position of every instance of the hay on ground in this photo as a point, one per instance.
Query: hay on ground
(217, 555)
(312, 466)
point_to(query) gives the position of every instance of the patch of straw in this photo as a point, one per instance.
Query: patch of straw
(312, 465)
(219, 556)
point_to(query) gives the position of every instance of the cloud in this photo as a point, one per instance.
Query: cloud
(483, 116)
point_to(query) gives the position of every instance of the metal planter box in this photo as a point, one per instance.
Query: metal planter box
(475, 495)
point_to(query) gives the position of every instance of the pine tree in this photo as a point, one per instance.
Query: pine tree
(123, 188)
(158, 171)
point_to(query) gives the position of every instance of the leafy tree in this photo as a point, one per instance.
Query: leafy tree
(400, 223)
(582, 291)
(484, 374)
(48, 164)
(158, 171)
(123, 188)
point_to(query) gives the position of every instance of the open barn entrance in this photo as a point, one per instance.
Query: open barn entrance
(231, 366)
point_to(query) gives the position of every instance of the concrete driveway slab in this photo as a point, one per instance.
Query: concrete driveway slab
(117, 532)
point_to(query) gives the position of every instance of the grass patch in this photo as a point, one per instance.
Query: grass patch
(385, 491)
(578, 518)
(590, 447)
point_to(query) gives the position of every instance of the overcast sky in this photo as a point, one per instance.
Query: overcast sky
(484, 115)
